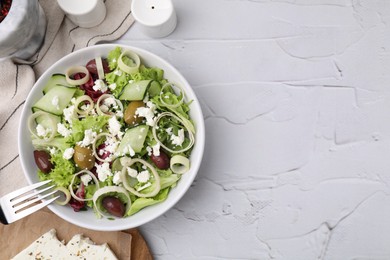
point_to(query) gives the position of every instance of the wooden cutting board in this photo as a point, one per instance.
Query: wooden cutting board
(15, 237)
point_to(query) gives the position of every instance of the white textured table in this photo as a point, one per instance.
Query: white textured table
(296, 99)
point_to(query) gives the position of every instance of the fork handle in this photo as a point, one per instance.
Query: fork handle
(2, 217)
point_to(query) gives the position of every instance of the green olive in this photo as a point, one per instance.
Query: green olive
(129, 116)
(83, 157)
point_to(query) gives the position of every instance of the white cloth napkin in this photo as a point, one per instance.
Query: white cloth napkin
(18, 76)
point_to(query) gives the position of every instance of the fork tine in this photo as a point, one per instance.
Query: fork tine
(35, 208)
(23, 205)
(29, 195)
(21, 191)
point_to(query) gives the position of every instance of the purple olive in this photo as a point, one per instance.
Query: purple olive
(91, 66)
(42, 160)
(161, 161)
(114, 206)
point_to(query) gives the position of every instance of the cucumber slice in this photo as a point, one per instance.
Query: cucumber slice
(135, 137)
(45, 121)
(135, 90)
(116, 165)
(154, 88)
(58, 142)
(56, 80)
(58, 93)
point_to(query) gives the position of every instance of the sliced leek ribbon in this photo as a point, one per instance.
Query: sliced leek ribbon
(31, 125)
(123, 176)
(185, 125)
(97, 156)
(172, 107)
(99, 67)
(72, 182)
(81, 99)
(126, 68)
(162, 95)
(66, 193)
(77, 69)
(101, 99)
(107, 190)
(179, 164)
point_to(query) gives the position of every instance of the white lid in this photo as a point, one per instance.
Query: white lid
(152, 12)
(85, 13)
(77, 7)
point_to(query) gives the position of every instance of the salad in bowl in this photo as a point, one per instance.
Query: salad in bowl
(118, 131)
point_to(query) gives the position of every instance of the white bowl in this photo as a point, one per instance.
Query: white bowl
(87, 219)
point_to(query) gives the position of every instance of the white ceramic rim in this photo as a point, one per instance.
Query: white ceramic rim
(144, 216)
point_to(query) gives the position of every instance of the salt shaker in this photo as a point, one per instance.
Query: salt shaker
(84, 13)
(156, 17)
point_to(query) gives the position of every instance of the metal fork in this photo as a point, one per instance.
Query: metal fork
(22, 202)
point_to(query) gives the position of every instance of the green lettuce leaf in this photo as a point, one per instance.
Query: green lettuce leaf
(95, 123)
(58, 142)
(62, 173)
(141, 203)
(113, 57)
(120, 81)
(165, 182)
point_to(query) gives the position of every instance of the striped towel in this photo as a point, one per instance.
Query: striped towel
(18, 76)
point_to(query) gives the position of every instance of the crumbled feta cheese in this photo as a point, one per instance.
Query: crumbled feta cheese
(149, 150)
(85, 179)
(68, 153)
(169, 130)
(156, 149)
(89, 138)
(131, 81)
(100, 85)
(117, 178)
(118, 72)
(85, 107)
(103, 171)
(152, 106)
(62, 130)
(143, 176)
(55, 102)
(104, 108)
(129, 149)
(131, 172)
(69, 114)
(41, 131)
(179, 139)
(52, 150)
(110, 102)
(144, 186)
(119, 113)
(114, 126)
(146, 112)
(111, 145)
(112, 86)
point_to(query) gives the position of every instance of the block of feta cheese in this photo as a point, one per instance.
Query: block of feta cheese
(48, 246)
(86, 248)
